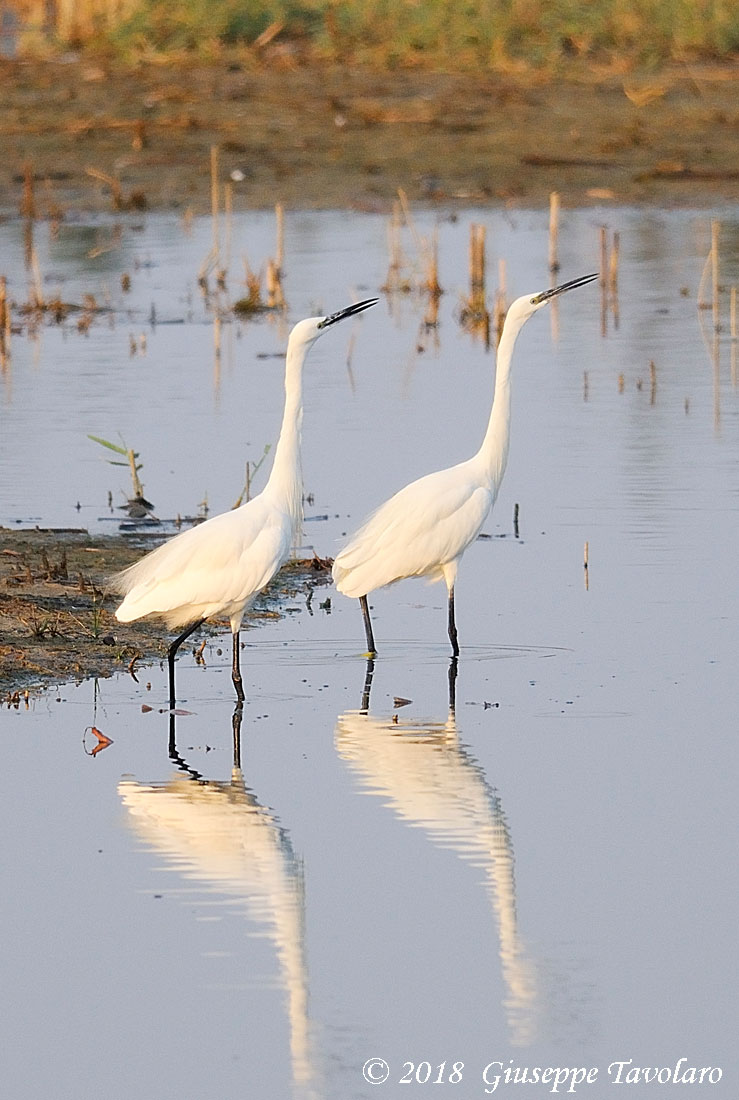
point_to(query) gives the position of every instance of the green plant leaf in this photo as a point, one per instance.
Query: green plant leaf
(111, 446)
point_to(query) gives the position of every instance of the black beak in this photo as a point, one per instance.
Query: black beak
(547, 294)
(348, 312)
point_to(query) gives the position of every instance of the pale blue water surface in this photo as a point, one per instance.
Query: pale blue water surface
(545, 877)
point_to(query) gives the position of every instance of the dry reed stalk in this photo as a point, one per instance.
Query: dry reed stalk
(431, 282)
(586, 571)
(477, 267)
(28, 202)
(113, 183)
(714, 275)
(28, 233)
(275, 295)
(652, 382)
(392, 279)
(138, 489)
(217, 336)
(553, 232)
(603, 280)
(603, 234)
(280, 245)
(433, 285)
(613, 263)
(38, 292)
(228, 207)
(515, 519)
(500, 306)
(4, 321)
(732, 332)
(475, 315)
(405, 207)
(214, 205)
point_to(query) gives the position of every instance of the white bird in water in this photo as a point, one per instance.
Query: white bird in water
(214, 570)
(425, 528)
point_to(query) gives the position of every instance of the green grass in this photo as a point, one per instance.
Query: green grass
(454, 34)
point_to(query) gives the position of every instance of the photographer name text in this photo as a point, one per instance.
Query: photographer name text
(559, 1079)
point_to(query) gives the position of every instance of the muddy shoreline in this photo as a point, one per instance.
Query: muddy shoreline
(83, 135)
(56, 618)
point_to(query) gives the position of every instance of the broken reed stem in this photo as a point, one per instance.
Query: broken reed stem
(275, 295)
(515, 519)
(214, 201)
(280, 246)
(652, 382)
(409, 219)
(477, 266)
(613, 275)
(116, 191)
(432, 266)
(585, 566)
(603, 255)
(613, 264)
(138, 489)
(217, 348)
(603, 280)
(38, 292)
(392, 280)
(500, 307)
(553, 232)
(228, 206)
(428, 252)
(732, 332)
(28, 202)
(714, 274)
(4, 321)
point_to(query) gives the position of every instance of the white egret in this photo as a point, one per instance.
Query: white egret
(216, 569)
(425, 528)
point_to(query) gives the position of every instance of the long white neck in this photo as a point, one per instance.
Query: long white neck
(285, 484)
(493, 454)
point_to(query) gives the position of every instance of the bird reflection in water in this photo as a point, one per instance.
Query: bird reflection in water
(218, 835)
(426, 775)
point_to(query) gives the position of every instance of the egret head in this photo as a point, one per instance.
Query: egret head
(305, 332)
(524, 307)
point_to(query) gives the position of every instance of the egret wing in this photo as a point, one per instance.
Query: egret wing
(220, 563)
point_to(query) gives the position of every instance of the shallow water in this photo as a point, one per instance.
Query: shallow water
(546, 876)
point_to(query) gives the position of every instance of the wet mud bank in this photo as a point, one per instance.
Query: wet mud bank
(57, 621)
(98, 135)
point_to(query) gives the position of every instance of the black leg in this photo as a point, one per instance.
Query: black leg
(367, 686)
(171, 656)
(372, 652)
(236, 669)
(453, 685)
(452, 624)
(236, 725)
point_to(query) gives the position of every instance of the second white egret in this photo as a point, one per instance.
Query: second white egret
(426, 527)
